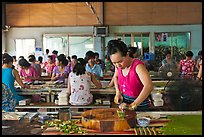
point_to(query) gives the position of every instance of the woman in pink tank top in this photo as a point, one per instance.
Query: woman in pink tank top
(131, 78)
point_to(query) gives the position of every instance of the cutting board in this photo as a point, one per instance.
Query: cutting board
(107, 120)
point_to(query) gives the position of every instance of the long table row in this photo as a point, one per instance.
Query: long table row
(51, 91)
(41, 89)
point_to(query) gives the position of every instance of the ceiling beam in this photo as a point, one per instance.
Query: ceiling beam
(94, 12)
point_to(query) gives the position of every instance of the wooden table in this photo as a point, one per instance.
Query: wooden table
(53, 105)
(45, 78)
(110, 90)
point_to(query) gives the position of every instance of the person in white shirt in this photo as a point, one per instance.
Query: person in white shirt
(79, 82)
(46, 55)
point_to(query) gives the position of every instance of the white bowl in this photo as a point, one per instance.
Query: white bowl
(156, 96)
(158, 102)
(143, 121)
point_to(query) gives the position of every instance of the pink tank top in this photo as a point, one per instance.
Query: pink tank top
(130, 84)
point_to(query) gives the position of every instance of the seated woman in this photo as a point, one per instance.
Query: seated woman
(27, 72)
(49, 66)
(187, 66)
(169, 65)
(99, 61)
(168, 62)
(29, 75)
(61, 70)
(79, 83)
(32, 60)
(91, 66)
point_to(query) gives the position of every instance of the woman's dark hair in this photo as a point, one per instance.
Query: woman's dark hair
(24, 63)
(7, 58)
(21, 57)
(167, 52)
(49, 56)
(200, 53)
(14, 57)
(89, 54)
(31, 58)
(63, 59)
(189, 53)
(47, 51)
(74, 56)
(55, 52)
(79, 68)
(96, 54)
(131, 51)
(69, 58)
(117, 46)
(40, 58)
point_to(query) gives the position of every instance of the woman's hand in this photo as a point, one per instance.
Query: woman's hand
(26, 86)
(132, 106)
(122, 106)
(118, 98)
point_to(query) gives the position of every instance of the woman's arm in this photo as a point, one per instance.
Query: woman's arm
(111, 84)
(146, 81)
(200, 72)
(197, 63)
(18, 79)
(96, 82)
(54, 76)
(118, 97)
(69, 87)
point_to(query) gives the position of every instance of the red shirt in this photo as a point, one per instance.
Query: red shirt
(49, 67)
(187, 68)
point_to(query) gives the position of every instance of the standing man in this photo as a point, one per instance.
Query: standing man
(46, 55)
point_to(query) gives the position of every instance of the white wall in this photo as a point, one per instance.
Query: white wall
(37, 33)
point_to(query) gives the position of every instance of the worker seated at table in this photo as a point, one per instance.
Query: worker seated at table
(79, 82)
(49, 66)
(61, 70)
(91, 66)
(29, 75)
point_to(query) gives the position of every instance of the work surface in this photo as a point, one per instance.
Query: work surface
(49, 87)
(17, 127)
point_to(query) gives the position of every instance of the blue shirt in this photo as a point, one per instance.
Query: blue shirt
(8, 79)
(96, 69)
